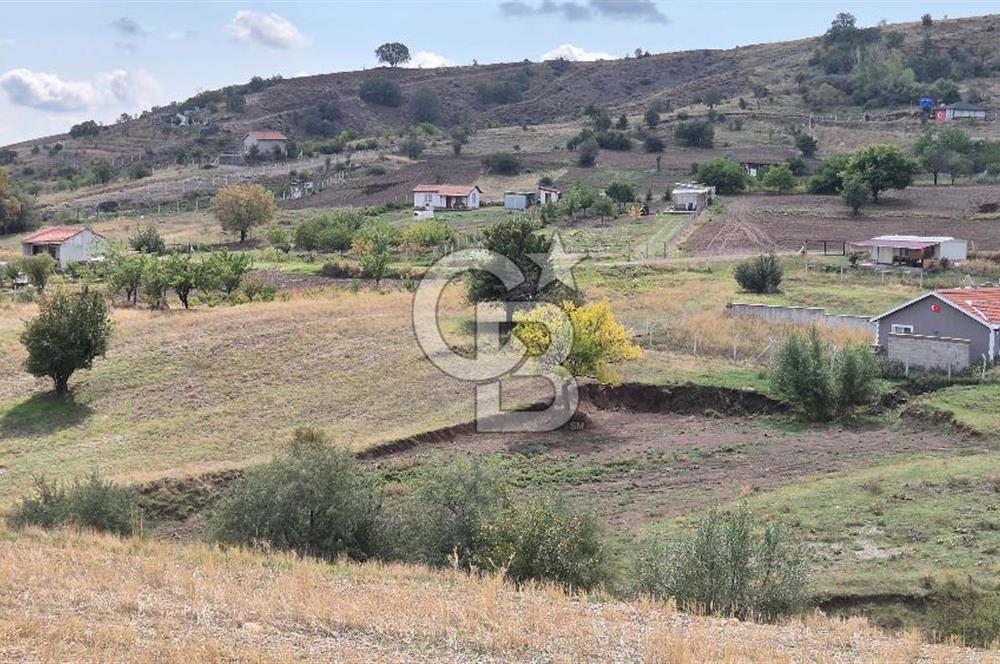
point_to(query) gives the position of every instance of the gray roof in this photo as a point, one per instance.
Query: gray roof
(964, 106)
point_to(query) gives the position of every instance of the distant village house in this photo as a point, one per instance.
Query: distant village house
(548, 195)
(65, 244)
(914, 250)
(447, 196)
(266, 142)
(964, 111)
(691, 197)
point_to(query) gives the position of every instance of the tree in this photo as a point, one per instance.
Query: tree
(11, 272)
(927, 20)
(779, 179)
(85, 128)
(883, 167)
(12, 206)
(622, 123)
(373, 243)
(652, 117)
(620, 193)
(515, 239)
(241, 207)
(653, 144)
(503, 163)
(424, 105)
(854, 190)
(38, 269)
(829, 178)
(695, 134)
(712, 98)
(587, 152)
(723, 173)
(392, 53)
(125, 274)
(102, 170)
(806, 144)
(184, 275)
(380, 91)
(761, 275)
(147, 240)
(227, 269)
(69, 332)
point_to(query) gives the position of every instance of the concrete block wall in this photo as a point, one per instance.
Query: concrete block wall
(925, 352)
(800, 315)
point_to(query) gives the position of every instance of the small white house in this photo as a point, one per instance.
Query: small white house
(914, 250)
(447, 196)
(691, 197)
(65, 244)
(266, 142)
(548, 195)
(519, 200)
(964, 111)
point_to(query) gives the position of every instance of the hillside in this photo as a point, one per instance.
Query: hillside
(84, 597)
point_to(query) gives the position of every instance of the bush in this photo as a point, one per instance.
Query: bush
(503, 163)
(278, 239)
(338, 270)
(424, 105)
(316, 501)
(227, 269)
(140, 170)
(806, 144)
(147, 240)
(94, 504)
(818, 386)
(723, 173)
(544, 539)
(426, 234)
(653, 144)
(829, 179)
(961, 610)
(695, 134)
(732, 565)
(504, 91)
(761, 274)
(412, 147)
(441, 521)
(587, 152)
(613, 140)
(38, 269)
(330, 231)
(779, 179)
(380, 91)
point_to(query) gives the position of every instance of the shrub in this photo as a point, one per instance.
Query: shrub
(854, 192)
(85, 128)
(338, 270)
(140, 170)
(278, 238)
(373, 243)
(147, 240)
(761, 274)
(587, 152)
(441, 520)
(504, 91)
(829, 179)
(779, 179)
(228, 269)
(723, 173)
(732, 565)
(806, 144)
(652, 116)
(380, 91)
(412, 147)
(316, 500)
(94, 504)
(69, 332)
(544, 539)
(424, 105)
(502, 163)
(962, 610)
(329, 231)
(426, 234)
(38, 269)
(652, 144)
(695, 134)
(613, 140)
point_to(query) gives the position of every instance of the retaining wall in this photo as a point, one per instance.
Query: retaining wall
(925, 352)
(801, 315)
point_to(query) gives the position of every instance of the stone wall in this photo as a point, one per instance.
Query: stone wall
(800, 315)
(923, 352)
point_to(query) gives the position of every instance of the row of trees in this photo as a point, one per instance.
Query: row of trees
(153, 277)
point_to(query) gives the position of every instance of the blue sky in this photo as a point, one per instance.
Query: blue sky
(61, 63)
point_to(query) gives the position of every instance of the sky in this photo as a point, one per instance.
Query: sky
(61, 63)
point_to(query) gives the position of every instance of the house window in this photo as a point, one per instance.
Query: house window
(902, 329)
(428, 198)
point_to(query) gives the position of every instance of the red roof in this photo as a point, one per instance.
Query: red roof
(982, 303)
(53, 235)
(266, 136)
(446, 189)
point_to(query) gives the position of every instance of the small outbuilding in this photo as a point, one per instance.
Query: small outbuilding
(914, 250)
(946, 329)
(66, 244)
(964, 111)
(691, 197)
(519, 200)
(548, 195)
(447, 196)
(266, 142)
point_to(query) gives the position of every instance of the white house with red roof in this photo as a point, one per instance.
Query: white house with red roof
(940, 324)
(66, 244)
(266, 142)
(447, 196)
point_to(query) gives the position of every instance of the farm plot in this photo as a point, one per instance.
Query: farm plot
(756, 223)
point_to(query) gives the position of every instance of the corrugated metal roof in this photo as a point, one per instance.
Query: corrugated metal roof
(53, 234)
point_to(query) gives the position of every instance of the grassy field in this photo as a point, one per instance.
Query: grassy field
(66, 597)
(974, 406)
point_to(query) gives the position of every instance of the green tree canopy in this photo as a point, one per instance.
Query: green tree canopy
(883, 167)
(393, 53)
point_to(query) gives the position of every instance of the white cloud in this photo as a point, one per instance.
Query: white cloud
(48, 92)
(269, 30)
(575, 54)
(429, 60)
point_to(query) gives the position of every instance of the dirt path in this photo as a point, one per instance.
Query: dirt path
(639, 467)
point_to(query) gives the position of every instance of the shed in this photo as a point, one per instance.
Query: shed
(548, 195)
(66, 244)
(519, 200)
(447, 196)
(691, 197)
(964, 111)
(936, 328)
(266, 142)
(914, 250)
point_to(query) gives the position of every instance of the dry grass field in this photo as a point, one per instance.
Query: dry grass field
(73, 597)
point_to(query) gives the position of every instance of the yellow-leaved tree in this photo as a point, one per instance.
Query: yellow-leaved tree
(240, 207)
(598, 339)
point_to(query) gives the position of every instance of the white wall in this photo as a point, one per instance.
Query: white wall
(955, 250)
(83, 246)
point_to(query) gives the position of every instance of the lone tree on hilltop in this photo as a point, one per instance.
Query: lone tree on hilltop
(241, 207)
(393, 53)
(68, 333)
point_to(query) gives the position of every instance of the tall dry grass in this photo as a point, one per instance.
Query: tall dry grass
(82, 597)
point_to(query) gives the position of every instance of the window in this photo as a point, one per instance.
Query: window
(428, 198)
(902, 329)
